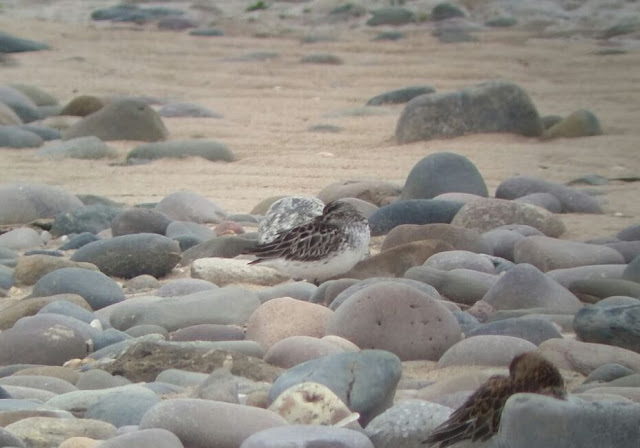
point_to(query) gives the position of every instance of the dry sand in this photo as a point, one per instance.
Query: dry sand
(268, 106)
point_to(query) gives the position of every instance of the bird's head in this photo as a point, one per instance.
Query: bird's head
(536, 374)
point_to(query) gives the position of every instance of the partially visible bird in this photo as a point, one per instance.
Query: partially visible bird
(327, 246)
(478, 419)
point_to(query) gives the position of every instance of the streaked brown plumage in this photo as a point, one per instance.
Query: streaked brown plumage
(478, 419)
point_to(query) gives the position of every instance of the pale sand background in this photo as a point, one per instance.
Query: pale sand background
(268, 106)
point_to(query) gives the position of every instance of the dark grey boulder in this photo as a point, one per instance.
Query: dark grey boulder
(391, 16)
(412, 211)
(13, 44)
(90, 218)
(79, 240)
(16, 137)
(444, 11)
(207, 149)
(365, 381)
(128, 256)
(443, 172)
(400, 95)
(495, 106)
(139, 220)
(20, 103)
(26, 202)
(124, 119)
(190, 206)
(95, 287)
(611, 325)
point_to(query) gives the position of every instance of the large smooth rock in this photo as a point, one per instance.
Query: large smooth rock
(190, 206)
(95, 287)
(483, 215)
(531, 420)
(396, 318)
(572, 200)
(90, 218)
(206, 424)
(524, 286)
(178, 149)
(585, 357)
(125, 119)
(568, 275)
(21, 104)
(485, 350)
(145, 438)
(26, 202)
(365, 381)
(217, 306)
(550, 253)
(30, 269)
(458, 237)
(122, 408)
(376, 192)
(13, 44)
(412, 211)
(139, 220)
(31, 305)
(302, 436)
(284, 317)
(15, 137)
(458, 285)
(48, 432)
(128, 256)
(343, 292)
(530, 328)
(494, 106)
(443, 172)
(295, 350)
(611, 325)
(21, 238)
(89, 147)
(399, 95)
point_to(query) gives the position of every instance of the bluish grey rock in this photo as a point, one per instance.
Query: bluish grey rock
(608, 372)
(184, 286)
(533, 329)
(391, 16)
(26, 202)
(567, 276)
(79, 240)
(230, 305)
(631, 233)
(572, 200)
(211, 150)
(133, 13)
(460, 259)
(443, 172)
(614, 325)
(99, 379)
(48, 383)
(412, 211)
(485, 350)
(6, 278)
(303, 436)
(459, 285)
(350, 289)
(9, 440)
(20, 103)
(524, 286)
(466, 321)
(296, 290)
(124, 119)
(208, 332)
(226, 246)
(544, 200)
(632, 271)
(139, 220)
(365, 381)
(122, 408)
(503, 239)
(44, 132)
(182, 378)
(146, 438)
(12, 44)
(444, 11)
(459, 238)
(628, 249)
(550, 253)
(16, 137)
(80, 400)
(89, 147)
(95, 287)
(494, 106)
(68, 309)
(177, 229)
(209, 423)
(287, 213)
(108, 337)
(128, 256)
(90, 218)
(190, 206)
(406, 424)
(531, 420)
(21, 238)
(400, 95)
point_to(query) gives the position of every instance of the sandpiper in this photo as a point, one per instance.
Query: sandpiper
(478, 419)
(326, 246)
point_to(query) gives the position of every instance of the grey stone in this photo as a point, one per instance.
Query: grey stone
(460, 259)
(226, 246)
(628, 249)
(581, 123)
(585, 357)
(21, 104)
(7, 439)
(124, 119)
(572, 200)
(45, 133)
(122, 408)
(139, 220)
(485, 350)
(178, 149)
(146, 438)
(295, 350)
(615, 325)
(483, 215)
(321, 58)
(49, 432)
(184, 286)
(444, 11)
(89, 147)
(412, 211)
(378, 193)
(296, 290)
(90, 218)
(26, 202)
(350, 289)
(95, 287)
(594, 289)
(533, 329)
(79, 240)
(495, 106)
(223, 271)
(31, 305)
(99, 379)
(458, 237)
(202, 233)
(443, 172)
(182, 378)
(608, 372)
(631, 233)
(12, 44)
(531, 420)
(189, 206)
(459, 285)
(47, 383)
(391, 16)
(503, 239)
(21, 238)
(287, 213)
(544, 200)
(16, 137)
(30, 269)
(632, 271)
(524, 286)
(143, 282)
(400, 95)
(567, 276)
(68, 309)
(365, 381)
(208, 332)
(301, 436)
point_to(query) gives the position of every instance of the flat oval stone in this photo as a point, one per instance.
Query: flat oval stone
(91, 218)
(144, 438)
(566, 276)
(458, 237)
(190, 206)
(139, 220)
(611, 325)
(486, 350)
(533, 329)
(585, 357)
(458, 285)
(301, 436)
(178, 149)
(21, 239)
(57, 430)
(122, 408)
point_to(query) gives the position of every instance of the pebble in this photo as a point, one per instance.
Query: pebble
(178, 229)
(585, 357)
(399, 96)
(122, 408)
(226, 246)
(530, 328)
(632, 271)
(26, 202)
(378, 193)
(14, 44)
(128, 256)
(145, 438)
(631, 233)
(397, 318)
(190, 206)
(495, 106)
(412, 211)
(89, 147)
(301, 436)
(581, 123)
(544, 200)
(123, 119)
(530, 420)
(16, 137)
(628, 249)
(208, 332)
(6, 437)
(460, 259)
(69, 309)
(443, 172)
(21, 238)
(391, 16)
(287, 213)
(79, 240)
(483, 215)
(607, 372)
(524, 286)
(224, 271)
(295, 290)
(203, 423)
(365, 381)
(184, 286)
(406, 424)
(47, 432)
(211, 150)
(321, 58)
(90, 218)
(351, 289)
(96, 288)
(567, 276)
(458, 285)
(30, 269)
(140, 283)
(457, 237)
(99, 379)
(485, 350)
(224, 306)
(594, 289)
(611, 325)
(572, 200)
(139, 220)
(21, 104)
(283, 317)
(31, 305)
(295, 350)
(46, 383)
